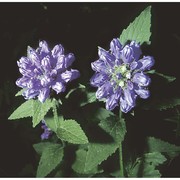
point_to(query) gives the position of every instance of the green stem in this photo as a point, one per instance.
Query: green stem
(120, 152)
(55, 114)
(121, 161)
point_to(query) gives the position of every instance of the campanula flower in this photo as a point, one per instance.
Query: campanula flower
(44, 70)
(120, 75)
(47, 132)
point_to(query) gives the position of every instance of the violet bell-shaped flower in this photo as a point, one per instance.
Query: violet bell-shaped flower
(120, 75)
(44, 70)
(47, 132)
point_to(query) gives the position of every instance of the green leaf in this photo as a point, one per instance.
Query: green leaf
(32, 108)
(39, 147)
(162, 104)
(115, 173)
(87, 160)
(81, 86)
(102, 114)
(51, 157)
(115, 127)
(175, 119)
(71, 131)
(139, 29)
(40, 110)
(19, 93)
(80, 164)
(151, 71)
(91, 97)
(51, 122)
(97, 153)
(154, 158)
(150, 171)
(168, 78)
(157, 145)
(24, 110)
(58, 174)
(146, 166)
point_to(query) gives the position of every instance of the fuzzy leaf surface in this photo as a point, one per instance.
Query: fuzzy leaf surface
(116, 128)
(51, 122)
(19, 93)
(71, 132)
(51, 157)
(157, 145)
(146, 166)
(139, 29)
(97, 153)
(102, 114)
(24, 110)
(39, 147)
(80, 164)
(91, 97)
(40, 110)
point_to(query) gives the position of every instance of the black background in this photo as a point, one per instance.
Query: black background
(80, 27)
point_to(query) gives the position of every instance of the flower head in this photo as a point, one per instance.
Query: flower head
(47, 132)
(44, 69)
(119, 75)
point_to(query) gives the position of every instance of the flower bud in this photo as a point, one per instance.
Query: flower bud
(141, 79)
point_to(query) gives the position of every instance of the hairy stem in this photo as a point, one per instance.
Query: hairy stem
(121, 161)
(55, 114)
(120, 152)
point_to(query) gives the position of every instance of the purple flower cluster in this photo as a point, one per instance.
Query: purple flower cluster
(119, 75)
(47, 132)
(44, 69)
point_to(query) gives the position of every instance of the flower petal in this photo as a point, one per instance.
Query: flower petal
(130, 97)
(70, 75)
(125, 107)
(33, 56)
(43, 49)
(98, 79)
(24, 63)
(43, 94)
(46, 81)
(143, 93)
(136, 50)
(69, 59)
(127, 54)
(64, 61)
(22, 82)
(135, 65)
(46, 64)
(104, 90)
(57, 51)
(113, 100)
(60, 63)
(30, 93)
(98, 66)
(47, 132)
(59, 87)
(27, 72)
(141, 79)
(108, 58)
(147, 62)
(116, 47)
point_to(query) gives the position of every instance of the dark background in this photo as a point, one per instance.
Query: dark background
(80, 27)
